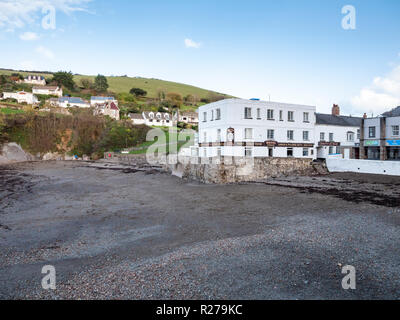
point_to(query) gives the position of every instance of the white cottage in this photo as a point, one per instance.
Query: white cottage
(253, 128)
(21, 97)
(48, 90)
(152, 119)
(337, 136)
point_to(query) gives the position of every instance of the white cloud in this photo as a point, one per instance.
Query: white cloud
(29, 36)
(382, 95)
(18, 13)
(47, 53)
(189, 43)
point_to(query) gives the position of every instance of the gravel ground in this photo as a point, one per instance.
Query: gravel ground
(115, 232)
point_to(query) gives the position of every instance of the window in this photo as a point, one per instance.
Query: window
(218, 114)
(248, 152)
(331, 137)
(219, 135)
(372, 132)
(270, 114)
(290, 116)
(306, 136)
(219, 153)
(305, 152)
(306, 117)
(212, 115)
(322, 136)
(204, 116)
(330, 150)
(280, 115)
(247, 113)
(205, 137)
(358, 134)
(290, 135)
(338, 150)
(350, 136)
(270, 135)
(248, 133)
(205, 153)
(395, 130)
(289, 152)
(259, 114)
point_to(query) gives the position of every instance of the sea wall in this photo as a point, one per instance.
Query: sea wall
(235, 170)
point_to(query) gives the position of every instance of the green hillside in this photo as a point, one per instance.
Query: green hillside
(124, 84)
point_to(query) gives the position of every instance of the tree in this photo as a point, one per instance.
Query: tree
(86, 84)
(137, 92)
(100, 83)
(191, 99)
(175, 99)
(63, 78)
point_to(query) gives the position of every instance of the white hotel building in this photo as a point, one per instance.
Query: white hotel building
(253, 128)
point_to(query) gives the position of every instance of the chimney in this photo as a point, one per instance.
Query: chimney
(365, 116)
(335, 110)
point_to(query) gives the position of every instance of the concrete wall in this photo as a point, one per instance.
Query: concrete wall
(233, 170)
(364, 166)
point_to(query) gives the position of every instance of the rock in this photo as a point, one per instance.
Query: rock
(12, 153)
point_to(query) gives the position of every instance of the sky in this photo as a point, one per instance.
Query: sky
(296, 51)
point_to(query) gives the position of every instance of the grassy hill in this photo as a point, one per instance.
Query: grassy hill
(124, 84)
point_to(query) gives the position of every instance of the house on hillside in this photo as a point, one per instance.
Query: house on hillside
(187, 117)
(250, 128)
(150, 118)
(21, 97)
(48, 90)
(67, 102)
(34, 79)
(94, 101)
(337, 135)
(108, 109)
(380, 137)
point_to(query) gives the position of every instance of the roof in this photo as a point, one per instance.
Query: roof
(102, 98)
(113, 106)
(72, 100)
(163, 114)
(343, 121)
(189, 114)
(393, 113)
(34, 77)
(136, 116)
(46, 88)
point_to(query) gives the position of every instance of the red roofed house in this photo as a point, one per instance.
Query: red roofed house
(108, 109)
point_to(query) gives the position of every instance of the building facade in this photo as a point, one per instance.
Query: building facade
(33, 79)
(337, 135)
(380, 137)
(48, 90)
(152, 119)
(237, 127)
(108, 109)
(188, 117)
(22, 97)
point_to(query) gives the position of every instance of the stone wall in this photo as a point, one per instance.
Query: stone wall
(234, 170)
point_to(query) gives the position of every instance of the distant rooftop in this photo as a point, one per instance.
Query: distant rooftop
(344, 121)
(71, 100)
(102, 98)
(393, 113)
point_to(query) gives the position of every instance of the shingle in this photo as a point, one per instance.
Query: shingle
(393, 113)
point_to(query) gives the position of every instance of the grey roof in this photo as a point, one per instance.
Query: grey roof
(72, 100)
(393, 113)
(136, 116)
(343, 121)
(102, 98)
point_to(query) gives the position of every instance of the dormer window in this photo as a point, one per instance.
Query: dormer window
(151, 115)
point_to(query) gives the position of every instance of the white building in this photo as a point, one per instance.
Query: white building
(236, 127)
(337, 135)
(21, 97)
(188, 117)
(102, 100)
(33, 79)
(49, 90)
(69, 102)
(152, 119)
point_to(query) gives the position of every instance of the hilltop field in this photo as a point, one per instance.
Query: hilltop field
(125, 84)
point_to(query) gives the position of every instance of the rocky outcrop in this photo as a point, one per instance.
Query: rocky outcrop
(235, 170)
(12, 153)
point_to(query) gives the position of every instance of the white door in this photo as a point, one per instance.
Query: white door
(347, 153)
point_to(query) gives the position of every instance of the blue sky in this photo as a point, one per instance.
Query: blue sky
(292, 50)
